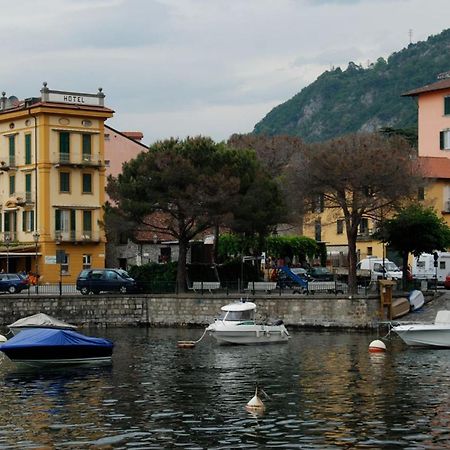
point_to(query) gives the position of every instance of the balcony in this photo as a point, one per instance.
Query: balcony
(8, 163)
(24, 198)
(77, 160)
(365, 235)
(78, 237)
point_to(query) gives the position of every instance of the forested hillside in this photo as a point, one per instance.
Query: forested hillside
(361, 99)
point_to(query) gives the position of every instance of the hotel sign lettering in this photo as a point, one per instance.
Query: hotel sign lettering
(74, 98)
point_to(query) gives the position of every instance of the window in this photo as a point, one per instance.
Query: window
(65, 223)
(447, 105)
(12, 150)
(28, 194)
(442, 265)
(444, 140)
(87, 183)
(64, 182)
(28, 149)
(87, 223)
(318, 204)
(369, 251)
(28, 221)
(318, 230)
(421, 193)
(64, 146)
(86, 147)
(12, 184)
(364, 226)
(339, 226)
(65, 265)
(87, 261)
(10, 222)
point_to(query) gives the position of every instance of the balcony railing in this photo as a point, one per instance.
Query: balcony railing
(7, 237)
(8, 163)
(77, 159)
(76, 236)
(25, 198)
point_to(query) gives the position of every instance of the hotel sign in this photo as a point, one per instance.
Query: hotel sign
(73, 98)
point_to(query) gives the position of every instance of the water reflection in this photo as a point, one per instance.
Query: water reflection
(326, 391)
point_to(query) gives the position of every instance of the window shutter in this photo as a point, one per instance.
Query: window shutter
(72, 220)
(87, 221)
(24, 221)
(28, 149)
(58, 220)
(86, 144)
(64, 142)
(441, 140)
(447, 105)
(32, 220)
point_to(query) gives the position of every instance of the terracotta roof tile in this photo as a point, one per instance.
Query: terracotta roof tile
(437, 86)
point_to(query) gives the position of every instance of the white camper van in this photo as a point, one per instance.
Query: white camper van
(423, 267)
(375, 265)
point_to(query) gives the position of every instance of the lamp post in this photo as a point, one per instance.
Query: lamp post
(36, 237)
(7, 239)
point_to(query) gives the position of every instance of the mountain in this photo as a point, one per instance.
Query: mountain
(358, 99)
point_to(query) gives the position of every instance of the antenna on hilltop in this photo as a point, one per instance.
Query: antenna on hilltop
(410, 32)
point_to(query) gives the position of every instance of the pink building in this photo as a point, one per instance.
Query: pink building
(434, 117)
(121, 146)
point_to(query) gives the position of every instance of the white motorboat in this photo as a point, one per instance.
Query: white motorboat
(436, 334)
(237, 325)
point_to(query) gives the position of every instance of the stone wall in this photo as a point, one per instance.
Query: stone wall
(191, 310)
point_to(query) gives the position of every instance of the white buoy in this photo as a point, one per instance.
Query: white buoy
(255, 404)
(377, 346)
(3, 338)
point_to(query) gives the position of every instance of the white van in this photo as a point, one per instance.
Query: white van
(375, 265)
(423, 267)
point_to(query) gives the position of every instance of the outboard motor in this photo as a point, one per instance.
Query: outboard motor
(278, 322)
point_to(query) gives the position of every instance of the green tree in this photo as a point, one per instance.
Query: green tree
(359, 176)
(415, 229)
(182, 188)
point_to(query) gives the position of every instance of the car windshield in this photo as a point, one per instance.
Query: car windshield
(123, 273)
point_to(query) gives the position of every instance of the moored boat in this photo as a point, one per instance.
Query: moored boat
(436, 334)
(46, 346)
(237, 325)
(39, 320)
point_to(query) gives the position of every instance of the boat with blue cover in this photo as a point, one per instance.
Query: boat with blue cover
(46, 346)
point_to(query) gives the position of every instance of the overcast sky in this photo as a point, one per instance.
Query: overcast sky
(189, 67)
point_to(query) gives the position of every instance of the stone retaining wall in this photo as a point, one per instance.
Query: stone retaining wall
(191, 310)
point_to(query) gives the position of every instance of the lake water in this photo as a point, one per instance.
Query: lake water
(326, 391)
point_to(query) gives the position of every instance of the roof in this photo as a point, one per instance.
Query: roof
(241, 306)
(437, 86)
(129, 135)
(435, 167)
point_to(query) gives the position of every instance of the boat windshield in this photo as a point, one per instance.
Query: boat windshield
(238, 316)
(391, 267)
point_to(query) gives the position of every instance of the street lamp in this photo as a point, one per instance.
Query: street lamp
(7, 239)
(36, 237)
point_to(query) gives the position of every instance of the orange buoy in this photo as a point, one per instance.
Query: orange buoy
(185, 344)
(377, 346)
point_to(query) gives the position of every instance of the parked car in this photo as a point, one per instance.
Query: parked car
(320, 274)
(13, 282)
(447, 281)
(105, 280)
(284, 281)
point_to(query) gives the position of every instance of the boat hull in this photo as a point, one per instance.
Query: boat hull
(424, 335)
(249, 334)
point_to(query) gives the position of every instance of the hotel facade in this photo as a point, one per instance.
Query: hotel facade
(52, 183)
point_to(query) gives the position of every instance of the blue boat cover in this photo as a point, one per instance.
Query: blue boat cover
(43, 337)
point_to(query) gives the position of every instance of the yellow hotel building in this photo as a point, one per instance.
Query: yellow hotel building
(52, 183)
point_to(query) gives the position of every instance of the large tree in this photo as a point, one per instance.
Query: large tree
(182, 188)
(359, 176)
(415, 229)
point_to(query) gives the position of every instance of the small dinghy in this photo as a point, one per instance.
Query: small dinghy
(416, 300)
(237, 325)
(46, 346)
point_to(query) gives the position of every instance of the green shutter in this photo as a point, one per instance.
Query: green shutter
(24, 220)
(87, 182)
(7, 222)
(87, 221)
(64, 182)
(28, 149)
(441, 140)
(72, 220)
(447, 105)
(57, 219)
(86, 144)
(28, 182)
(32, 220)
(64, 142)
(12, 184)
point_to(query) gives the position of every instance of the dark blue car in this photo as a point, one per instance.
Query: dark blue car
(13, 282)
(105, 280)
